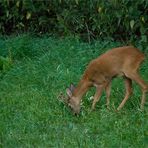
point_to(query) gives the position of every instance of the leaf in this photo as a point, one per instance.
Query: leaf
(143, 20)
(144, 38)
(99, 9)
(132, 22)
(77, 2)
(28, 16)
(18, 3)
(7, 13)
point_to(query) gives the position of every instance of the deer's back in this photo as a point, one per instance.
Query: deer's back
(114, 62)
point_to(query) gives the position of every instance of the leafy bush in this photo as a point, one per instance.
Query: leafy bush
(118, 19)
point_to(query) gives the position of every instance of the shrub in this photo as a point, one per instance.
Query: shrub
(118, 19)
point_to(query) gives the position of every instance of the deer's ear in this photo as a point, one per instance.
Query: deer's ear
(72, 87)
(69, 93)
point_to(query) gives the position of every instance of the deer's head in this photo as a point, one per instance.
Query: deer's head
(72, 101)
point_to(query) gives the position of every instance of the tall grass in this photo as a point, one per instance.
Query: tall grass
(31, 114)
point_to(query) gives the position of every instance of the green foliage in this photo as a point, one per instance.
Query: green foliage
(5, 63)
(118, 19)
(32, 116)
(24, 48)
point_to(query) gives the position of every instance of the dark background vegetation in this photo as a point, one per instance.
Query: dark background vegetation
(89, 19)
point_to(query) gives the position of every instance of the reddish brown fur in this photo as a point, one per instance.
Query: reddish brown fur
(122, 61)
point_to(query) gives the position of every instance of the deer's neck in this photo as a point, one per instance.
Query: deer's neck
(81, 89)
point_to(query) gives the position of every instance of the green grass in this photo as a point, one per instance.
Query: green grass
(31, 114)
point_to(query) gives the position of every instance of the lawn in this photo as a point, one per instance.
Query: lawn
(31, 114)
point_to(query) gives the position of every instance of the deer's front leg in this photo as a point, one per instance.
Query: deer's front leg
(108, 90)
(99, 89)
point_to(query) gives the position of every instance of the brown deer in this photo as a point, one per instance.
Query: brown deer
(122, 61)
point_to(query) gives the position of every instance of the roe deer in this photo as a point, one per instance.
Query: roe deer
(122, 61)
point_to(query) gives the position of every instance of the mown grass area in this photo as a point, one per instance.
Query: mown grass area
(31, 114)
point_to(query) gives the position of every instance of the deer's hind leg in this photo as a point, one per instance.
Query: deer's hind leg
(131, 71)
(144, 87)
